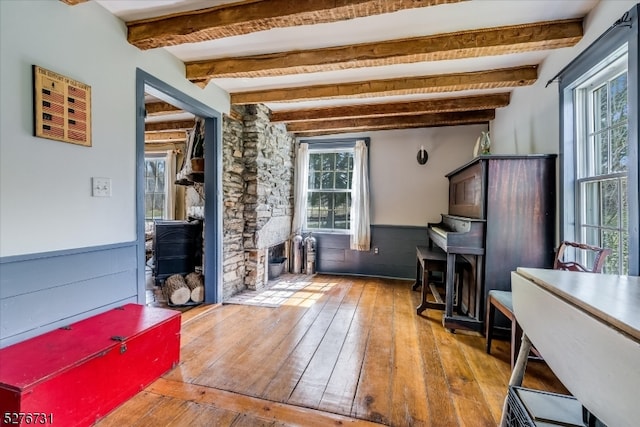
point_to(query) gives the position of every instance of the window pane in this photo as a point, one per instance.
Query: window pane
(342, 179)
(315, 181)
(341, 211)
(619, 106)
(315, 162)
(601, 153)
(611, 240)
(610, 203)
(342, 161)
(624, 256)
(148, 207)
(591, 203)
(158, 205)
(327, 180)
(323, 214)
(591, 236)
(328, 161)
(313, 202)
(619, 144)
(600, 108)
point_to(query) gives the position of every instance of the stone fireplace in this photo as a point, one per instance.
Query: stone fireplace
(258, 195)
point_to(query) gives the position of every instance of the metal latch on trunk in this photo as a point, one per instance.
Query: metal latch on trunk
(119, 338)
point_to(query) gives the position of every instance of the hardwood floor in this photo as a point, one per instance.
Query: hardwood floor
(342, 351)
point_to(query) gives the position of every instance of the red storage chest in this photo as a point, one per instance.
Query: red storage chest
(75, 375)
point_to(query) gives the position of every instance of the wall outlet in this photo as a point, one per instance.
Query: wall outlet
(101, 187)
(376, 251)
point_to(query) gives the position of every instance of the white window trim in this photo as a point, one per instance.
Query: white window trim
(346, 231)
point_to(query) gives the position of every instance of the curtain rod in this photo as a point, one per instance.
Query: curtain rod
(624, 21)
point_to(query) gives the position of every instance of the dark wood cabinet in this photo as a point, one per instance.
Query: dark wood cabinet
(516, 197)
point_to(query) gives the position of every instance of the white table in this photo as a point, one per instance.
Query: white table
(587, 328)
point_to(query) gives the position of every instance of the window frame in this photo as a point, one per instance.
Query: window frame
(330, 146)
(623, 32)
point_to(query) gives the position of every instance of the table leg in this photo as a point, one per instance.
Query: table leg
(517, 374)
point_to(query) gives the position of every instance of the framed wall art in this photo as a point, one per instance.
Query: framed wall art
(62, 107)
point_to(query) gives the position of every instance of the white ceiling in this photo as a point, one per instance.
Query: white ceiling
(439, 19)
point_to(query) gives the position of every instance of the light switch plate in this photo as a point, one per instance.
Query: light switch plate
(101, 187)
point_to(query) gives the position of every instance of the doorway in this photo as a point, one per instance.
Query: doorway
(149, 86)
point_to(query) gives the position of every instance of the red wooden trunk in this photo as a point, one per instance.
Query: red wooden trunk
(78, 374)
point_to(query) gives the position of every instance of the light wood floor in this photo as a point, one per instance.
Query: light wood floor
(343, 351)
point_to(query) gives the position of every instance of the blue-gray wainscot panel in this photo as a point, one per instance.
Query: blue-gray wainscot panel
(396, 255)
(40, 292)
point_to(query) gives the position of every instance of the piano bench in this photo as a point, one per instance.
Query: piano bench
(429, 260)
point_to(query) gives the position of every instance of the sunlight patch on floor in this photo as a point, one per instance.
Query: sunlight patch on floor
(286, 291)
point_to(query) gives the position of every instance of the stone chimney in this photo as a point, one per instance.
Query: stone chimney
(258, 195)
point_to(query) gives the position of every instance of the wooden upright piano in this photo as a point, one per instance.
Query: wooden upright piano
(501, 216)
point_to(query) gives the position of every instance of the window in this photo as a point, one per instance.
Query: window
(602, 155)
(599, 147)
(155, 195)
(329, 189)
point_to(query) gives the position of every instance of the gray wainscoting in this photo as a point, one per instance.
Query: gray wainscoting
(396, 255)
(41, 292)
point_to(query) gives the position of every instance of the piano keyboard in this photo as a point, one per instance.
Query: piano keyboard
(441, 231)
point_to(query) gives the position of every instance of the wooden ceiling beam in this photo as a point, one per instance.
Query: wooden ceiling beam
(165, 136)
(395, 122)
(252, 16)
(467, 44)
(165, 146)
(160, 108)
(506, 77)
(169, 125)
(441, 105)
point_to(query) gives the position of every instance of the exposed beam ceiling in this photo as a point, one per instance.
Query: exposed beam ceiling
(254, 15)
(391, 122)
(508, 77)
(475, 43)
(331, 66)
(442, 105)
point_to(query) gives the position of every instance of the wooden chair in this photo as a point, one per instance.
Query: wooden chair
(502, 301)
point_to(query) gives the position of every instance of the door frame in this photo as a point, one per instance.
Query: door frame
(146, 83)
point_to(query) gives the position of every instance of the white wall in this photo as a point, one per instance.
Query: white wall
(45, 185)
(404, 192)
(530, 124)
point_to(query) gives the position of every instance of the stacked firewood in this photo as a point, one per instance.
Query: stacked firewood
(182, 290)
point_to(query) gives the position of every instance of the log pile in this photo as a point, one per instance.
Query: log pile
(179, 290)
(195, 282)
